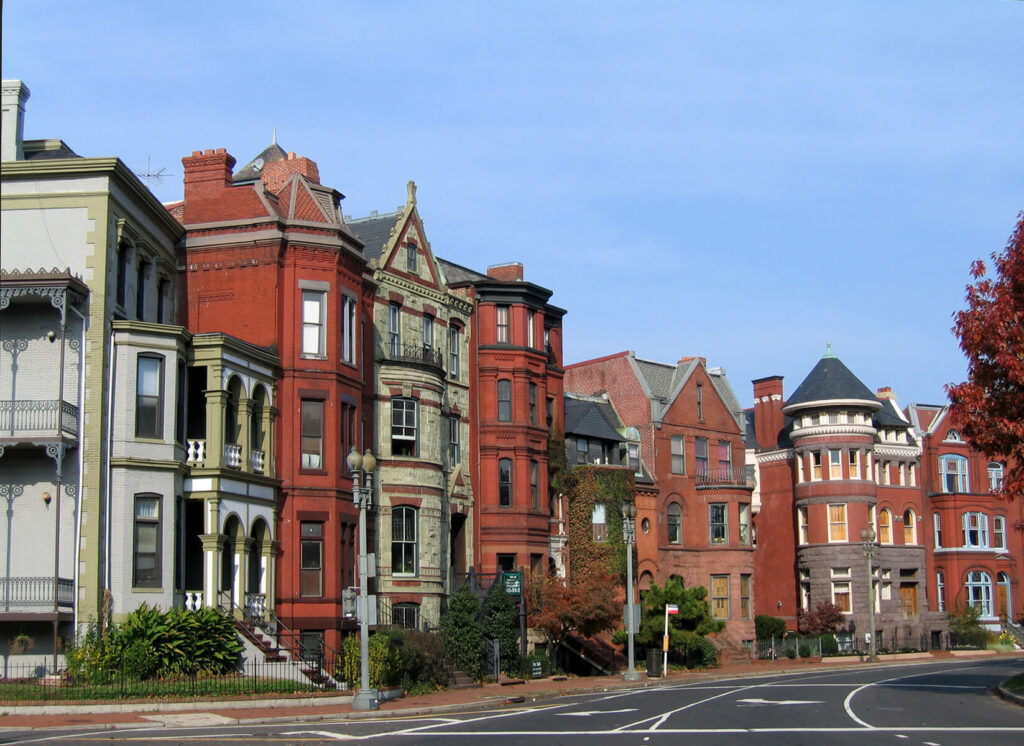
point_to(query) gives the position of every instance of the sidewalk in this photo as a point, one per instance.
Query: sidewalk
(117, 715)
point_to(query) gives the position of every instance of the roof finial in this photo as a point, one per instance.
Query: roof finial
(411, 190)
(828, 350)
(275, 134)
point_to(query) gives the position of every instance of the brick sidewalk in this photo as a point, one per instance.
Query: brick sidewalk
(129, 715)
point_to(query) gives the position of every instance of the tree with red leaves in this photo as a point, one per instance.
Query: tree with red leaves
(988, 407)
(557, 607)
(825, 618)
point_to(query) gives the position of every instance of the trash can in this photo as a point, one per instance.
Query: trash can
(654, 662)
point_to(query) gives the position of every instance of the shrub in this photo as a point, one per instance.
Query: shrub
(766, 627)
(805, 650)
(138, 661)
(700, 652)
(829, 645)
(463, 634)
(501, 623)
(790, 652)
(421, 661)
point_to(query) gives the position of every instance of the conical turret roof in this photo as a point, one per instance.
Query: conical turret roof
(831, 383)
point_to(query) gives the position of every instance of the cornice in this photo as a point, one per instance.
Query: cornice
(890, 449)
(837, 429)
(772, 456)
(385, 280)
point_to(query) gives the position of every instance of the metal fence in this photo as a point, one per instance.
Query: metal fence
(889, 641)
(34, 683)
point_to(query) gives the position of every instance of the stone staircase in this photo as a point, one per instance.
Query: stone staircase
(1015, 631)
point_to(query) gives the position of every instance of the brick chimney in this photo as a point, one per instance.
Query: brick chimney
(768, 417)
(277, 173)
(511, 272)
(207, 172)
(886, 392)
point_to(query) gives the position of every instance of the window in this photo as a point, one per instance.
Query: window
(700, 401)
(995, 476)
(815, 466)
(745, 605)
(954, 436)
(505, 482)
(535, 484)
(181, 404)
(312, 434)
(403, 541)
(506, 562)
(720, 596)
(348, 330)
(998, 532)
(835, 464)
(975, 530)
(348, 433)
(700, 447)
(744, 523)
(454, 351)
(954, 473)
(633, 456)
(122, 274)
(531, 323)
(503, 335)
(403, 427)
(937, 520)
(314, 306)
(410, 256)
(837, 522)
(886, 589)
(717, 523)
(149, 398)
(940, 589)
(311, 645)
(534, 413)
(504, 400)
(394, 329)
(854, 464)
(979, 591)
(311, 572)
(724, 460)
(146, 555)
(675, 524)
(599, 523)
(805, 589)
(581, 450)
(140, 291)
(161, 301)
(909, 527)
(454, 449)
(841, 596)
(428, 333)
(885, 527)
(801, 517)
(406, 615)
(678, 454)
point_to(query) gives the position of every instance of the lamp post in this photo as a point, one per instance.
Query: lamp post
(628, 536)
(362, 468)
(867, 538)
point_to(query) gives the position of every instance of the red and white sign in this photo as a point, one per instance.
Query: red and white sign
(671, 609)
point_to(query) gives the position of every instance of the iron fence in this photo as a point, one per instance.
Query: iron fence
(38, 682)
(846, 643)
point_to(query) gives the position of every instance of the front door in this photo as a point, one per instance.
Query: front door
(1002, 601)
(908, 599)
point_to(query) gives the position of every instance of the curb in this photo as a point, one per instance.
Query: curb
(1009, 696)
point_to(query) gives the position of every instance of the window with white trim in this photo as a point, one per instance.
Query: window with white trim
(885, 526)
(311, 551)
(503, 334)
(995, 476)
(531, 324)
(149, 397)
(744, 523)
(940, 590)
(312, 435)
(975, 528)
(801, 519)
(979, 591)
(599, 522)
(678, 454)
(815, 466)
(146, 542)
(718, 523)
(404, 426)
(454, 445)
(841, 593)
(454, 351)
(394, 329)
(998, 532)
(953, 469)
(854, 463)
(909, 527)
(403, 541)
(835, 463)
(937, 522)
(348, 330)
(837, 522)
(675, 524)
(700, 447)
(505, 494)
(314, 322)
(428, 332)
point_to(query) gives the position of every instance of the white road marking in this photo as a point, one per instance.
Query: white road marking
(715, 731)
(930, 743)
(900, 735)
(322, 734)
(659, 720)
(780, 702)
(585, 713)
(855, 692)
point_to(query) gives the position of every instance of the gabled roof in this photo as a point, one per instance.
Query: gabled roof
(374, 231)
(456, 273)
(658, 377)
(251, 171)
(889, 416)
(592, 419)
(831, 381)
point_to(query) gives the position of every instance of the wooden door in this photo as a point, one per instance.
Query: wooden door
(1002, 601)
(908, 597)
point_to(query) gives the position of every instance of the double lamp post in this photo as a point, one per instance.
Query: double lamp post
(362, 468)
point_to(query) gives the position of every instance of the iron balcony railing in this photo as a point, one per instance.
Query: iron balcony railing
(38, 416)
(420, 354)
(35, 593)
(723, 475)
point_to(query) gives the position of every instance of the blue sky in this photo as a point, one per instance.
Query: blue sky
(739, 180)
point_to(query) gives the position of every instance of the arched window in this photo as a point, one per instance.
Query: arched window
(909, 527)
(675, 524)
(885, 527)
(954, 435)
(995, 476)
(403, 541)
(979, 591)
(954, 473)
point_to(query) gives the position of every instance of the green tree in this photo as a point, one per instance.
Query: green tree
(694, 619)
(766, 627)
(501, 623)
(462, 632)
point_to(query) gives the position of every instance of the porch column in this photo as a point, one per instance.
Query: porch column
(269, 415)
(271, 549)
(212, 547)
(245, 410)
(242, 550)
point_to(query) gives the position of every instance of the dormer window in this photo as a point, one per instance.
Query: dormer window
(954, 435)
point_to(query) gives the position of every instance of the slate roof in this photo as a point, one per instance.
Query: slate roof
(43, 150)
(658, 376)
(249, 172)
(830, 379)
(591, 419)
(374, 231)
(888, 416)
(456, 273)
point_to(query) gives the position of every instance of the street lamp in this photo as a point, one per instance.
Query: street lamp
(867, 538)
(362, 468)
(628, 536)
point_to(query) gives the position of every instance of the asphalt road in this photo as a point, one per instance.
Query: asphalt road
(934, 704)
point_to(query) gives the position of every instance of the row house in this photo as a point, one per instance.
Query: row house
(136, 457)
(833, 460)
(422, 331)
(267, 258)
(684, 442)
(975, 545)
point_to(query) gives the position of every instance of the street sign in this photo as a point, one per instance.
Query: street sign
(671, 609)
(635, 617)
(514, 583)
